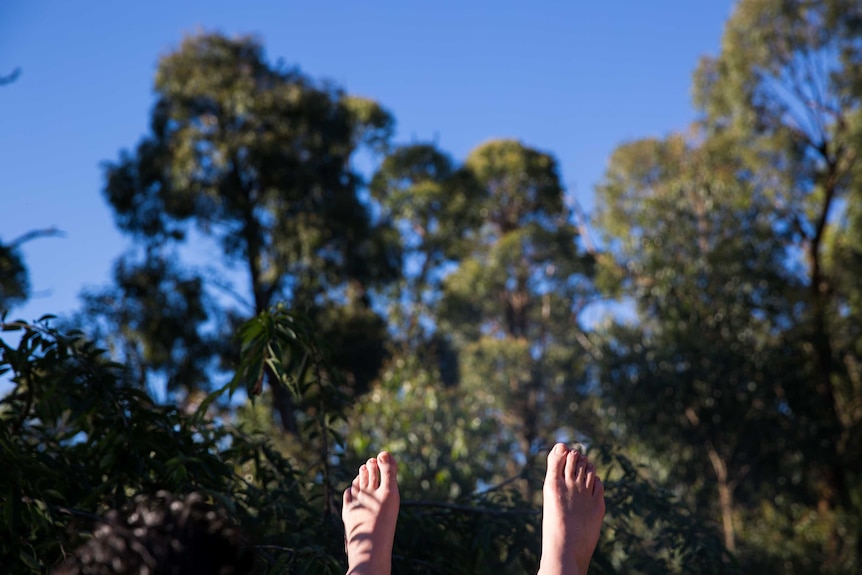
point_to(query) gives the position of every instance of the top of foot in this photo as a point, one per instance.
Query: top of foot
(573, 509)
(370, 512)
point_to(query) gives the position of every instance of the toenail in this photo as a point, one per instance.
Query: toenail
(560, 448)
(384, 457)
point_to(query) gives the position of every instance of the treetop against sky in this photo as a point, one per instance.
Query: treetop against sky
(573, 79)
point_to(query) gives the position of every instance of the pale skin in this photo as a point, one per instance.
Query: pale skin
(370, 512)
(573, 509)
(572, 513)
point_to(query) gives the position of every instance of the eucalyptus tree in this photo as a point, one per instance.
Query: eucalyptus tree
(786, 94)
(513, 304)
(739, 246)
(497, 282)
(250, 166)
(151, 320)
(434, 204)
(696, 379)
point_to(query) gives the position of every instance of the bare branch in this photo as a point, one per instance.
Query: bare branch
(32, 235)
(11, 77)
(469, 508)
(583, 230)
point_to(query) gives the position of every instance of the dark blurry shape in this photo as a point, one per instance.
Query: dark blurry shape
(447, 360)
(14, 279)
(170, 344)
(11, 77)
(163, 535)
(256, 160)
(355, 337)
(78, 440)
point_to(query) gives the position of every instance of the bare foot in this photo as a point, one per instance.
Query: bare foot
(573, 508)
(369, 513)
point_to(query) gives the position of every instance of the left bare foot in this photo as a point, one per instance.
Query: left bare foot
(370, 512)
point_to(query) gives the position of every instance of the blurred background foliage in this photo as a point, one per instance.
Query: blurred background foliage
(447, 311)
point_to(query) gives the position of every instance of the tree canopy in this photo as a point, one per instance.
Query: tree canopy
(705, 350)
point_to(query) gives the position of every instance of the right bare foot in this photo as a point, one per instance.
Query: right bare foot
(573, 508)
(370, 512)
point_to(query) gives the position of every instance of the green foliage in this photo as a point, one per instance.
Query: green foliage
(77, 441)
(460, 516)
(445, 439)
(731, 392)
(728, 244)
(169, 344)
(256, 161)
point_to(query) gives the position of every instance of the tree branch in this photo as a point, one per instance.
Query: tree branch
(469, 508)
(11, 77)
(32, 235)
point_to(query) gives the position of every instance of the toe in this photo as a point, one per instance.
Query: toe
(347, 499)
(599, 488)
(590, 478)
(556, 461)
(363, 477)
(581, 472)
(388, 471)
(373, 473)
(570, 472)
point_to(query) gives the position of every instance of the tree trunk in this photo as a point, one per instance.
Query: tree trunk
(725, 498)
(835, 493)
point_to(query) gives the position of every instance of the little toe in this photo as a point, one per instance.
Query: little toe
(590, 481)
(598, 488)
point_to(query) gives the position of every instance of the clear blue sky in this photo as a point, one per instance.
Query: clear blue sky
(575, 78)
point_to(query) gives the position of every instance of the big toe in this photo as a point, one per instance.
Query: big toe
(556, 461)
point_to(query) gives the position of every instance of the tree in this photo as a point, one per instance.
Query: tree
(695, 378)
(254, 161)
(786, 93)
(737, 246)
(435, 205)
(79, 439)
(512, 305)
(498, 284)
(152, 320)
